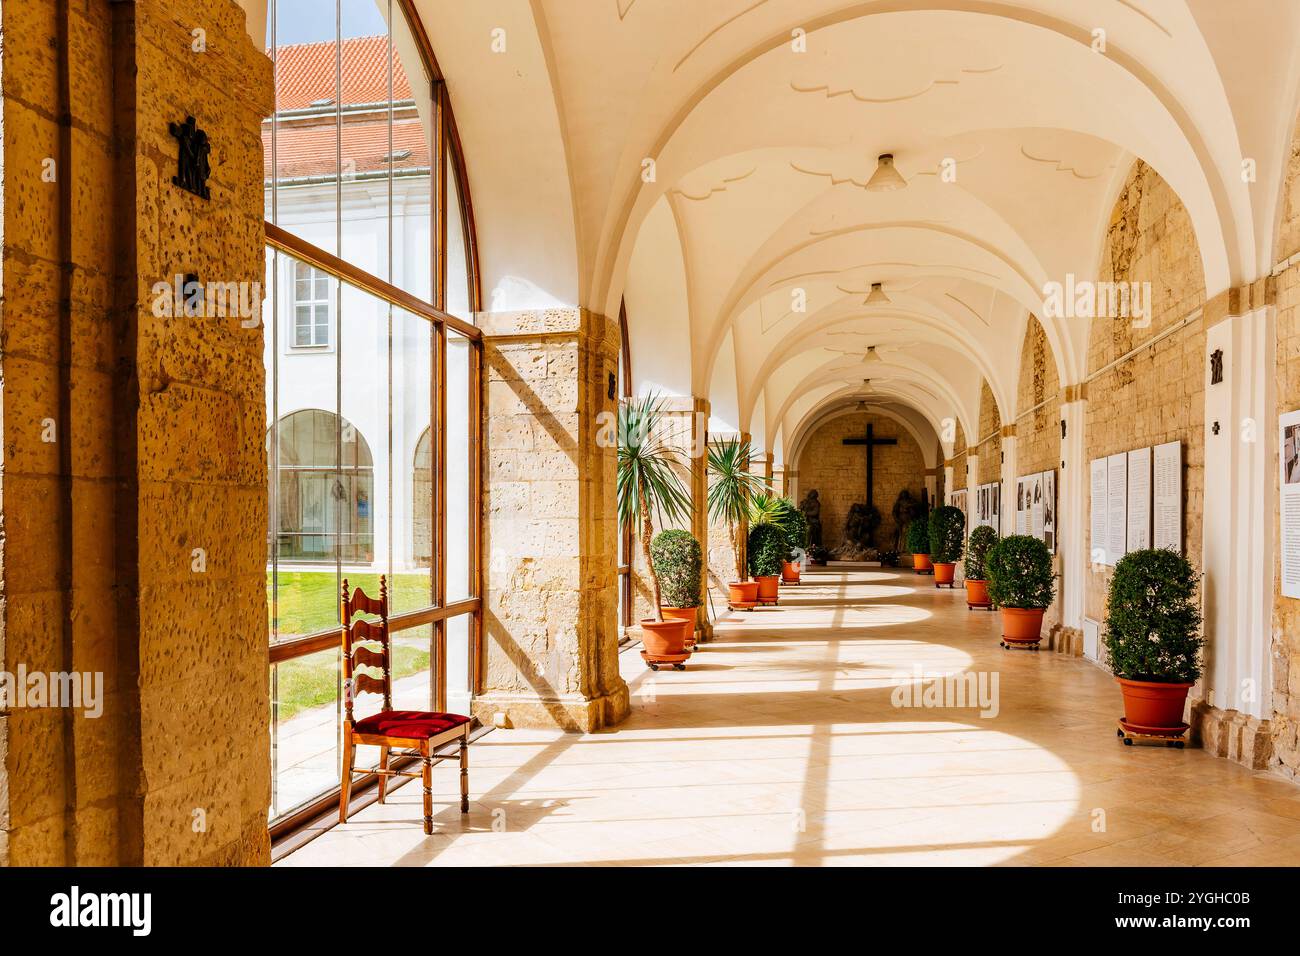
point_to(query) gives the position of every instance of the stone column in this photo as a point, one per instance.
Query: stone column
(551, 523)
(134, 487)
(1007, 469)
(1072, 531)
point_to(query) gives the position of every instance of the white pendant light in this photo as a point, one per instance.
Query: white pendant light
(871, 355)
(885, 178)
(877, 295)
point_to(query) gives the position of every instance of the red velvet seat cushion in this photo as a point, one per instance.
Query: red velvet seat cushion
(411, 724)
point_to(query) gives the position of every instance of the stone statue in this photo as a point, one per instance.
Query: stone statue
(811, 507)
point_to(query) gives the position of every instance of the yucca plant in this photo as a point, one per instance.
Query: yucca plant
(730, 488)
(648, 487)
(766, 508)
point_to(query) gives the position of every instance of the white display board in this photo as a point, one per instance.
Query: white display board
(1289, 500)
(1116, 507)
(1036, 507)
(1049, 510)
(1138, 534)
(1024, 507)
(988, 504)
(1167, 496)
(1099, 510)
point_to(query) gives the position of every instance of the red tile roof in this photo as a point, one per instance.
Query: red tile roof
(306, 148)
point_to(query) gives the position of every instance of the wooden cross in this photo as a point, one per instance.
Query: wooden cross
(871, 441)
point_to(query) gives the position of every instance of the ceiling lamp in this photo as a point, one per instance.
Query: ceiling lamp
(885, 178)
(871, 355)
(877, 295)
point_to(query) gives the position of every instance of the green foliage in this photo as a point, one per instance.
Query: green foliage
(768, 548)
(918, 534)
(646, 467)
(796, 529)
(947, 534)
(730, 483)
(1020, 573)
(678, 562)
(1153, 618)
(978, 545)
(765, 508)
(907, 507)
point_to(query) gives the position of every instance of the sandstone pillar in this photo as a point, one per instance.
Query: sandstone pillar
(1072, 538)
(1006, 468)
(134, 487)
(551, 523)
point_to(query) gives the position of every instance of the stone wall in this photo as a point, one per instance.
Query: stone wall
(551, 525)
(135, 457)
(989, 440)
(838, 472)
(958, 460)
(1157, 395)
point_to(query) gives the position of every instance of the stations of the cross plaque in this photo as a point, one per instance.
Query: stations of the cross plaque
(871, 441)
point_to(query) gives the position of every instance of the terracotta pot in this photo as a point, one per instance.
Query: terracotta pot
(1022, 625)
(944, 573)
(742, 592)
(664, 638)
(1148, 704)
(921, 562)
(767, 586)
(977, 593)
(686, 614)
(790, 573)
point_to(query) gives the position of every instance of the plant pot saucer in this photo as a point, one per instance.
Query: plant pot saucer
(742, 605)
(1010, 643)
(1139, 730)
(655, 661)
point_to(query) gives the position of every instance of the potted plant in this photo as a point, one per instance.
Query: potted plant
(768, 548)
(818, 556)
(648, 486)
(981, 540)
(730, 487)
(1021, 582)
(918, 542)
(947, 543)
(796, 529)
(1153, 638)
(678, 563)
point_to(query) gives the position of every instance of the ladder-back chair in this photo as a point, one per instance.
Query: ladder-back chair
(415, 733)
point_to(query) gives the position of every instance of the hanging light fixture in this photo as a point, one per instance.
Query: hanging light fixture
(886, 178)
(871, 355)
(877, 295)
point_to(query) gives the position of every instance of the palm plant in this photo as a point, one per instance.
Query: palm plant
(648, 486)
(765, 508)
(730, 488)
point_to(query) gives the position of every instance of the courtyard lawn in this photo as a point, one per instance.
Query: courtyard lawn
(308, 603)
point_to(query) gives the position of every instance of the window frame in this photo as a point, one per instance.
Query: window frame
(314, 303)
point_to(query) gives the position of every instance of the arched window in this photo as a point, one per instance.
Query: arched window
(422, 502)
(324, 490)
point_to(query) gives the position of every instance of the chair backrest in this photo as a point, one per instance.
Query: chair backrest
(356, 634)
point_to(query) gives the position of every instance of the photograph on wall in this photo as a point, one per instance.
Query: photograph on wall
(1289, 502)
(1049, 510)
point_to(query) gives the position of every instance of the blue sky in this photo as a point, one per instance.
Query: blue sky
(311, 21)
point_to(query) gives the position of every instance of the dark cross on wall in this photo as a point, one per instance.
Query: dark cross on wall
(871, 441)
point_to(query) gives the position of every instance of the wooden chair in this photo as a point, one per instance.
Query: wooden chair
(416, 733)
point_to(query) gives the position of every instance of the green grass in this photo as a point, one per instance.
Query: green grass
(308, 602)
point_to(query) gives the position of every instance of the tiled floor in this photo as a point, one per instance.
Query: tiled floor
(782, 745)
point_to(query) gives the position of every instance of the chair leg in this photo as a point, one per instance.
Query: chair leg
(345, 791)
(383, 777)
(428, 793)
(464, 774)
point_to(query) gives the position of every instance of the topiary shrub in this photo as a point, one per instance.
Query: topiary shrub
(796, 529)
(1020, 573)
(978, 545)
(678, 562)
(768, 547)
(947, 534)
(1153, 618)
(918, 535)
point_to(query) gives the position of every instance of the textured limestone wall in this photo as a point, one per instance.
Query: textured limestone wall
(1158, 395)
(838, 472)
(135, 461)
(551, 526)
(1038, 434)
(989, 447)
(958, 460)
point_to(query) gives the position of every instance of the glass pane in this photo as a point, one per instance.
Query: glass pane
(413, 123)
(412, 656)
(364, 84)
(458, 296)
(360, 496)
(300, 142)
(305, 720)
(270, 349)
(412, 460)
(459, 630)
(460, 510)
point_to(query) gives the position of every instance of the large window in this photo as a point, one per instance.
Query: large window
(372, 365)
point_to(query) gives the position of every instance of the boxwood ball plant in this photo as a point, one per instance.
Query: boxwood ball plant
(1154, 619)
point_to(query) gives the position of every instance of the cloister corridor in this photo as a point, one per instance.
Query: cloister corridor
(781, 745)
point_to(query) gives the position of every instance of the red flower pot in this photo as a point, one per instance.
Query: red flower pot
(740, 593)
(767, 586)
(977, 593)
(1022, 625)
(789, 573)
(944, 573)
(685, 614)
(664, 638)
(1148, 704)
(921, 562)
